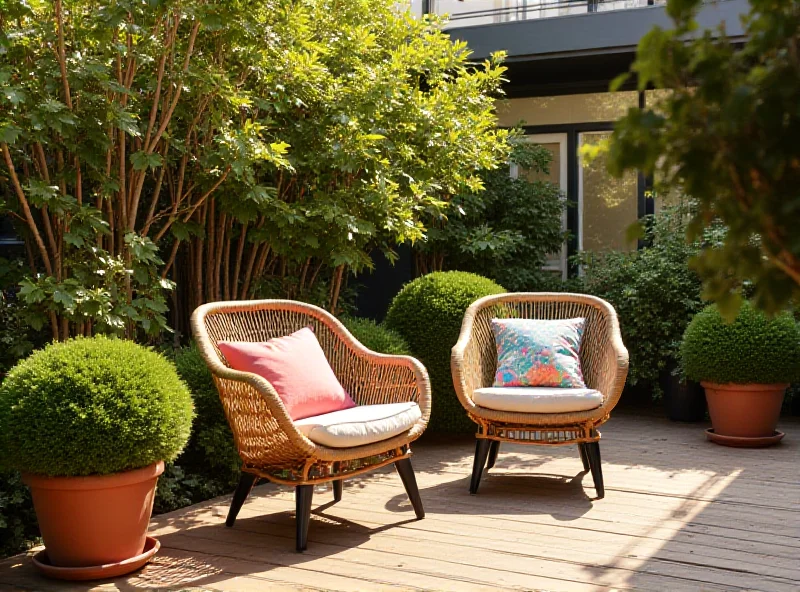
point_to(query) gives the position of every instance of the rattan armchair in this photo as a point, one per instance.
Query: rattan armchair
(604, 361)
(269, 444)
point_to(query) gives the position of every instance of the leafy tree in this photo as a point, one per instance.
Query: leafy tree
(113, 133)
(727, 136)
(386, 119)
(504, 232)
(243, 139)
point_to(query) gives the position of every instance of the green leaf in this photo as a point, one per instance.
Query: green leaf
(635, 231)
(618, 81)
(31, 292)
(142, 160)
(729, 305)
(64, 298)
(14, 95)
(9, 133)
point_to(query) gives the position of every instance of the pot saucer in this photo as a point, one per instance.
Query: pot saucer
(741, 442)
(96, 572)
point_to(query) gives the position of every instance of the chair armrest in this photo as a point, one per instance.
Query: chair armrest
(614, 369)
(373, 378)
(468, 362)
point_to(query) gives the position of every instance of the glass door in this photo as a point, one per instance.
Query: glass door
(606, 206)
(556, 144)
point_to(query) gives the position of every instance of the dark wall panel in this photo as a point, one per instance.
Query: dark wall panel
(598, 32)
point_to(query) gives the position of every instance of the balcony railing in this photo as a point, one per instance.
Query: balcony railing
(472, 13)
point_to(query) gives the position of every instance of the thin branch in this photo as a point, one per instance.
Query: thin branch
(336, 288)
(62, 54)
(171, 258)
(154, 201)
(191, 212)
(26, 209)
(78, 181)
(166, 118)
(238, 266)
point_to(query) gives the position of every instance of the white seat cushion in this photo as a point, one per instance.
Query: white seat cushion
(359, 425)
(537, 399)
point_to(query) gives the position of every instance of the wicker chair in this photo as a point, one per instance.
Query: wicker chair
(269, 444)
(604, 361)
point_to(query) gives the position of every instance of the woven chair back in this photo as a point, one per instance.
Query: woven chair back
(546, 306)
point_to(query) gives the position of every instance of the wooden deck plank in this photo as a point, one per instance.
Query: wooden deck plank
(475, 533)
(679, 514)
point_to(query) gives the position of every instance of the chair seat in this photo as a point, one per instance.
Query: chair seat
(537, 399)
(361, 425)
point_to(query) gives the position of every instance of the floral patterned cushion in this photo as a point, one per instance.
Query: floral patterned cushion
(536, 352)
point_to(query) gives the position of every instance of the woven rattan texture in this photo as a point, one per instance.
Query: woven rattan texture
(604, 361)
(267, 440)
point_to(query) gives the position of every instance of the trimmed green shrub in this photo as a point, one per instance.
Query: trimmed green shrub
(209, 465)
(92, 406)
(753, 349)
(428, 313)
(376, 336)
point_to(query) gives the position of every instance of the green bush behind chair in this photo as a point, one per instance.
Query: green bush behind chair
(376, 336)
(428, 313)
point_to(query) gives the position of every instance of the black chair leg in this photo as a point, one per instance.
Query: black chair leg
(494, 448)
(584, 456)
(406, 472)
(246, 483)
(482, 446)
(337, 490)
(593, 453)
(302, 496)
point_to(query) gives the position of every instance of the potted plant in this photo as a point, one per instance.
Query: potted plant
(745, 367)
(89, 422)
(684, 400)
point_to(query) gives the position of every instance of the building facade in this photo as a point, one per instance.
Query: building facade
(561, 57)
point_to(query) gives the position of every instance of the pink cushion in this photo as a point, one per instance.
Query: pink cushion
(296, 367)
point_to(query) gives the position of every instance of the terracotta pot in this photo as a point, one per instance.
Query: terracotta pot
(97, 520)
(744, 410)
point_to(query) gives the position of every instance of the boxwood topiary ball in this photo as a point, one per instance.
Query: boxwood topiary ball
(754, 349)
(428, 313)
(376, 337)
(92, 407)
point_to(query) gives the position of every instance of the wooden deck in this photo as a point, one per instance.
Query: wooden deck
(680, 513)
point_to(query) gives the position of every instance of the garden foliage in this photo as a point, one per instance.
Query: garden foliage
(92, 406)
(428, 313)
(653, 290)
(726, 136)
(18, 526)
(272, 138)
(376, 336)
(17, 339)
(753, 349)
(209, 464)
(504, 232)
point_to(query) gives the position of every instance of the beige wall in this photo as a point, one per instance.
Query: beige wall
(586, 108)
